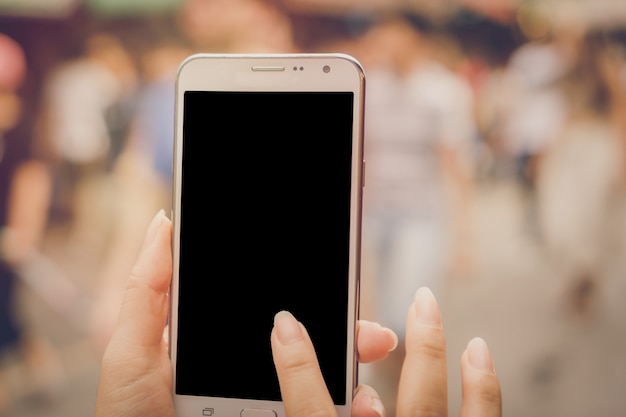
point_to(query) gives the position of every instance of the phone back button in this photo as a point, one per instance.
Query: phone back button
(257, 412)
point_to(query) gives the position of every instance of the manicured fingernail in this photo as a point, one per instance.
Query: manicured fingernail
(154, 225)
(479, 355)
(377, 406)
(427, 308)
(287, 328)
(394, 336)
(387, 330)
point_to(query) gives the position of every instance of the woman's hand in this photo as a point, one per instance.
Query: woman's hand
(136, 373)
(423, 383)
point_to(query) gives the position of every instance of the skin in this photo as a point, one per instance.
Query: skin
(136, 377)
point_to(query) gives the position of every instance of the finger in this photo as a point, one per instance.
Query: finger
(166, 338)
(374, 342)
(143, 314)
(482, 395)
(302, 385)
(423, 382)
(367, 403)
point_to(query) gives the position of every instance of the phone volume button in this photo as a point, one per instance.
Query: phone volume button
(363, 174)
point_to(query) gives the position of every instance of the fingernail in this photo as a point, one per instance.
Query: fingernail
(377, 406)
(287, 328)
(154, 225)
(479, 355)
(387, 330)
(394, 337)
(427, 308)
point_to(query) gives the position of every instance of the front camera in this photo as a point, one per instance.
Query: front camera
(326, 69)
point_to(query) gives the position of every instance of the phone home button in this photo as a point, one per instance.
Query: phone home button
(257, 412)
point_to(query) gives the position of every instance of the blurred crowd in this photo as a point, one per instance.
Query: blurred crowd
(86, 129)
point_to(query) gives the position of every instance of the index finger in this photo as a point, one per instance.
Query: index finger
(302, 385)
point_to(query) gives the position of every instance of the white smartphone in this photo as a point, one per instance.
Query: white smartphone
(267, 196)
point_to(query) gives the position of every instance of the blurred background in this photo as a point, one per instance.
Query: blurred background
(495, 142)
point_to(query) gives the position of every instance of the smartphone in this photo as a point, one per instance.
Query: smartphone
(267, 197)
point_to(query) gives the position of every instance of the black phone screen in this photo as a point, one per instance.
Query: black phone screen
(265, 226)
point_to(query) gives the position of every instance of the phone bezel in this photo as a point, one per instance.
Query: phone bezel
(270, 72)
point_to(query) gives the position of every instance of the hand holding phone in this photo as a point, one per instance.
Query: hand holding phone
(136, 373)
(283, 218)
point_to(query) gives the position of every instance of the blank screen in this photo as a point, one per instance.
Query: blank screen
(265, 224)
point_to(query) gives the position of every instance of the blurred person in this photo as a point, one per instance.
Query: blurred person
(255, 26)
(151, 133)
(612, 67)
(143, 171)
(87, 105)
(494, 98)
(25, 192)
(537, 106)
(534, 106)
(136, 371)
(144, 168)
(579, 177)
(419, 132)
(483, 65)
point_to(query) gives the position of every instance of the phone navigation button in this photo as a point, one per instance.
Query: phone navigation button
(257, 412)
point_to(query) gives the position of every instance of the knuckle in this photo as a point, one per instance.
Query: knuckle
(430, 412)
(489, 393)
(318, 412)
(432, 348)
(486, 393)
(298, 365)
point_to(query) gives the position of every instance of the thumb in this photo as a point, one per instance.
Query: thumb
(143, 313)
